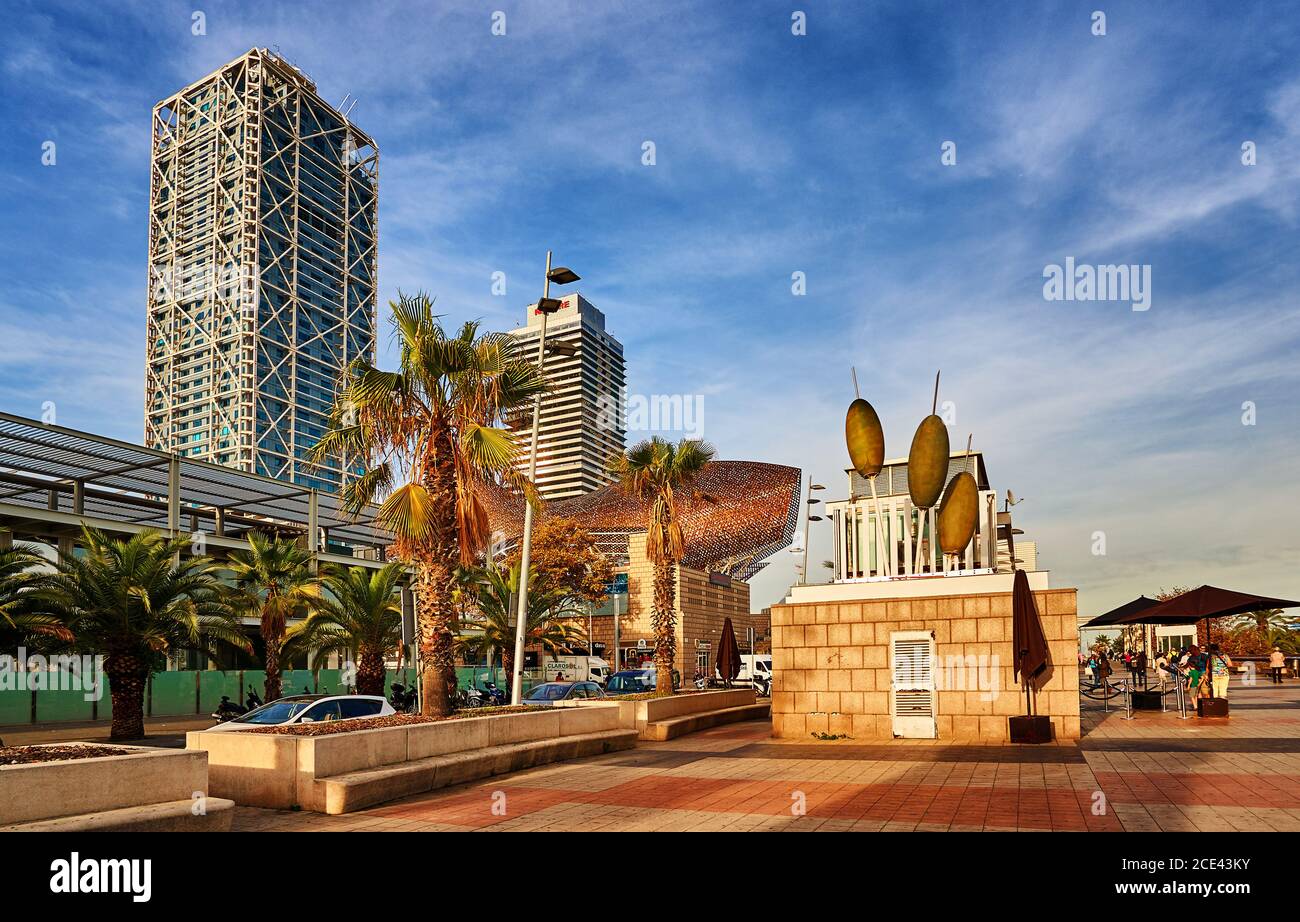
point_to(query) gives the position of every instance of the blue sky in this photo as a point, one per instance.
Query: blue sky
(775, 154)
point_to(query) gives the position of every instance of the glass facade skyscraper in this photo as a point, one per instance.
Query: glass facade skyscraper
(262, 254)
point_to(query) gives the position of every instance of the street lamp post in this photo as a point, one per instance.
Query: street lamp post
(808, 519)
(547, 305)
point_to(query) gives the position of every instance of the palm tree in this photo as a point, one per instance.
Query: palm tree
(359, 615)
(1264, 621)
(274, 582)
(429, 439)
(654, 470)
(547, 608)
(135, 599)
(22, 573)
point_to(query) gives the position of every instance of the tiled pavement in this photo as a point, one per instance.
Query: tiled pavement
(1155, 772)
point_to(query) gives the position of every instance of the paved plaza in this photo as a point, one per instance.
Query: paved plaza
(1155, 772)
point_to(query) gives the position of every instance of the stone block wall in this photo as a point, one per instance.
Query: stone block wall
(832, 670)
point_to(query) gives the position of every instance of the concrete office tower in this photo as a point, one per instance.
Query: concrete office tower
(583, 420)
(262, 256)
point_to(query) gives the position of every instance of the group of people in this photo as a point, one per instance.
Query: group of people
(1206, 673)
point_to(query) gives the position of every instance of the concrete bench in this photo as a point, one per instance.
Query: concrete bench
(142, 789)
(173, 816)
(338, 772)
(690, 723)
(357, 790)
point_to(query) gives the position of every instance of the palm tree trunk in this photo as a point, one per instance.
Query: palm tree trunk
(508, 666)
(434, 610)
(127, 675)
(273, 680)
(664, 621)
(370, 671)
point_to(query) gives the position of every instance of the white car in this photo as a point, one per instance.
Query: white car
(305, 709)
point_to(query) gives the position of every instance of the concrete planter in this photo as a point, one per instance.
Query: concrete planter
(314, 772)
(645, 714)
(147, 789)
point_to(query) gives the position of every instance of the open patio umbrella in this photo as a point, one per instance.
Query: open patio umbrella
(1028, 640)
(1205, 603)
(728, 653)
(1115, 615)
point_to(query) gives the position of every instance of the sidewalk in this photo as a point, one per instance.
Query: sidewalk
(1155, 772)
(167, 732)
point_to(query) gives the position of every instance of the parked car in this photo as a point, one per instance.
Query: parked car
(631, 682)
(551, 692)
(303, 709)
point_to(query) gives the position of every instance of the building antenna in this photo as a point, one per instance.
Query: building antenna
(934, 408)
(856, 393)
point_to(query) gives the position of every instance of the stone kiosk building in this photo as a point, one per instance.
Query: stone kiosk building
(889, 649)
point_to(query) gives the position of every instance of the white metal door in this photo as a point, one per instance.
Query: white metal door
(911, 687)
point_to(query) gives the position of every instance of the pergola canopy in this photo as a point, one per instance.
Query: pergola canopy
(50, 468)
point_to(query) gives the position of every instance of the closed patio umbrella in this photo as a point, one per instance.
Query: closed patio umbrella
(1028, 641)
(728, 653)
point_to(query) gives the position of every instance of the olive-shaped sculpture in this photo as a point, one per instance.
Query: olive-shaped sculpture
(865, 438)
(958, 513)
(927, 462)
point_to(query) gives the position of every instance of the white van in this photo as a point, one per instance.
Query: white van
(576, 669)
(751, 664)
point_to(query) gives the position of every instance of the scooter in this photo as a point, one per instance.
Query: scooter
(762, 686)
(253, 700)
(227, 710)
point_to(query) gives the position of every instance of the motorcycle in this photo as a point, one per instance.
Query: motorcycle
(470, 698)
(762, 686)
(254, 701)
(402, 698)
(227, 710)
(496, 697)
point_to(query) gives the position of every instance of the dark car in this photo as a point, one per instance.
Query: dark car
(551, 692)
(631, 682)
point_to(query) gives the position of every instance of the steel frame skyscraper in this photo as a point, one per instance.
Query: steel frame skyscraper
(262, 254)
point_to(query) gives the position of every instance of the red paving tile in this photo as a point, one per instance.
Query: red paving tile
(1202, 789)
(473, 808)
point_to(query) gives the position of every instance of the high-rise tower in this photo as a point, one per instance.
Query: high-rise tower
(262, 254)
(583, 420)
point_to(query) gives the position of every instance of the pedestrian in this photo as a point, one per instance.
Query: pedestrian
(1140, 667)
(1195, 672)
(1220, 666)
(1276, 663)
(1162, 667)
